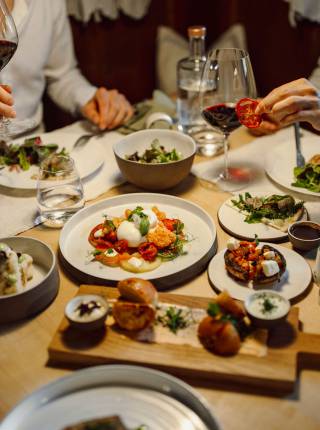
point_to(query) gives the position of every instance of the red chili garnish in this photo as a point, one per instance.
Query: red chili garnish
(121, 246)
(148, 251)
(101, 243)
(245, 109)
(37, 141)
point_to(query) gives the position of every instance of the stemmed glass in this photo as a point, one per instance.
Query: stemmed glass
(8, 46)
(227, 78)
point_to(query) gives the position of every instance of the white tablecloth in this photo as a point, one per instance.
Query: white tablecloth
(18, 208)
(253, 155)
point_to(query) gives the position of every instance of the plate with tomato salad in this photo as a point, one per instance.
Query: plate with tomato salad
(158, 237)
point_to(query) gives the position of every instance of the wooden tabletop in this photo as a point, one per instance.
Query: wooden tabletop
(23, 346)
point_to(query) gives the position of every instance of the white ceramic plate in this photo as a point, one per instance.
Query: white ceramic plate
(88, 159)
(281, 160)
(74, 243)
(136, 394)
(293, 282)
(233, 222)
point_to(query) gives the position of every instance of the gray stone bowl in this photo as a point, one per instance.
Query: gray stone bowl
(152, 176)
(304, 244)
(42, 288)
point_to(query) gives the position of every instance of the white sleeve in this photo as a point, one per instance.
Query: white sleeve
(66, 85)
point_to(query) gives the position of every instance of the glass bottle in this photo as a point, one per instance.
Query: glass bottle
(189, 73)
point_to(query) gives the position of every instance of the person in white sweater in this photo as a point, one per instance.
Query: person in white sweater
(45, 59)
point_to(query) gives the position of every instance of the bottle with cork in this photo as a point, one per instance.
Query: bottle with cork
(189, 73)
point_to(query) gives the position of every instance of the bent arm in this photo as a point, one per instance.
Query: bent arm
(66, 85)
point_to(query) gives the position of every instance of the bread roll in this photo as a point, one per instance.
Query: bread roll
(133, 316)
(218, 336)
(138, 291)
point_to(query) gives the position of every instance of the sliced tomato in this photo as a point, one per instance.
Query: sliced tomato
(148, 251)
(121, 246)
(245, 109)
(101, 243)
(112, 236)
(169, 223)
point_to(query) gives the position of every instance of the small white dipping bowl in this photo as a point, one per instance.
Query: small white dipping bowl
(40, 290)
(261, 316)
(155, 176)
(89, 322)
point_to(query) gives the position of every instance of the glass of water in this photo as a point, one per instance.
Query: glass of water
(59, 190)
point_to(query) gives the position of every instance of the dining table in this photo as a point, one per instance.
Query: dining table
(24, 365)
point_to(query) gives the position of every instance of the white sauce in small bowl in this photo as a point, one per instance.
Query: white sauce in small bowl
(86, 308)
(267, 305)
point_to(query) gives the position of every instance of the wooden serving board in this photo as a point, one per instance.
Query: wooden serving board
(288, 351)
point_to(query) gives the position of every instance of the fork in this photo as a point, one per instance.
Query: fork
(300, 161)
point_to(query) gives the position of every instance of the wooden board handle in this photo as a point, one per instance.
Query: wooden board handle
(309, 351)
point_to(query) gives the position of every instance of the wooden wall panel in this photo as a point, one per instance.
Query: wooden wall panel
(122, 53)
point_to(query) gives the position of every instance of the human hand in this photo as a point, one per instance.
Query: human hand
(6, 102)
(268, 125)
(107, 109)
(292, 102)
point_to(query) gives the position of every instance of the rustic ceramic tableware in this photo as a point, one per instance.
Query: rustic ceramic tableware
(41, 289)
(151, 176)
(304, 244)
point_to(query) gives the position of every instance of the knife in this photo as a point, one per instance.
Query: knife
(300, 161)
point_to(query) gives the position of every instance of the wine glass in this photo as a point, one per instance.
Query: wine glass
(8, 46)
(227, 78)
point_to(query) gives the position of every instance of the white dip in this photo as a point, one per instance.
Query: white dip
(267, 305)
(88, 310)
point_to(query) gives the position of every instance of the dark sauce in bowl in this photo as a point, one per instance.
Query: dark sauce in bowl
(306, 232)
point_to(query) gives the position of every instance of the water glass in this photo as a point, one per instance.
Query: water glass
(59, 190)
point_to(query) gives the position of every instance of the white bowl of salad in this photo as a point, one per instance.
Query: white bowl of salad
(155, 159)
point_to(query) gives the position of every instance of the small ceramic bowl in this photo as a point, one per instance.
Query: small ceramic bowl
(267, 308)
(305, 241)
(40, 290)
(93, 318)
(155, 176)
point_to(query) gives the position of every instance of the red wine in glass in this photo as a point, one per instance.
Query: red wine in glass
(8, 45)
(7, 49)
(222, 116)
(227, 78)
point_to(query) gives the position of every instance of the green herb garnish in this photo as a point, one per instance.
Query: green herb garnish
(213, 310)
(175, 319)
(144, 224)
(268, 306)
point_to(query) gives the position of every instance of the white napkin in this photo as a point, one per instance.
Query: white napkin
(18, 208)
(253, 155)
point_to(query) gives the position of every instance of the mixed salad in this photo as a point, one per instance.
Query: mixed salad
(275, 208)
(32, 151)
(155, 154)
(138, 241)
(308, 176)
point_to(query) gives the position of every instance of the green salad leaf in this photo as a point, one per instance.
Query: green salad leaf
(271, 207)
(32, 151)
(307, 177)
(155, 154)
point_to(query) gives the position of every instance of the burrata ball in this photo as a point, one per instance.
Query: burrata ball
(128, 231)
